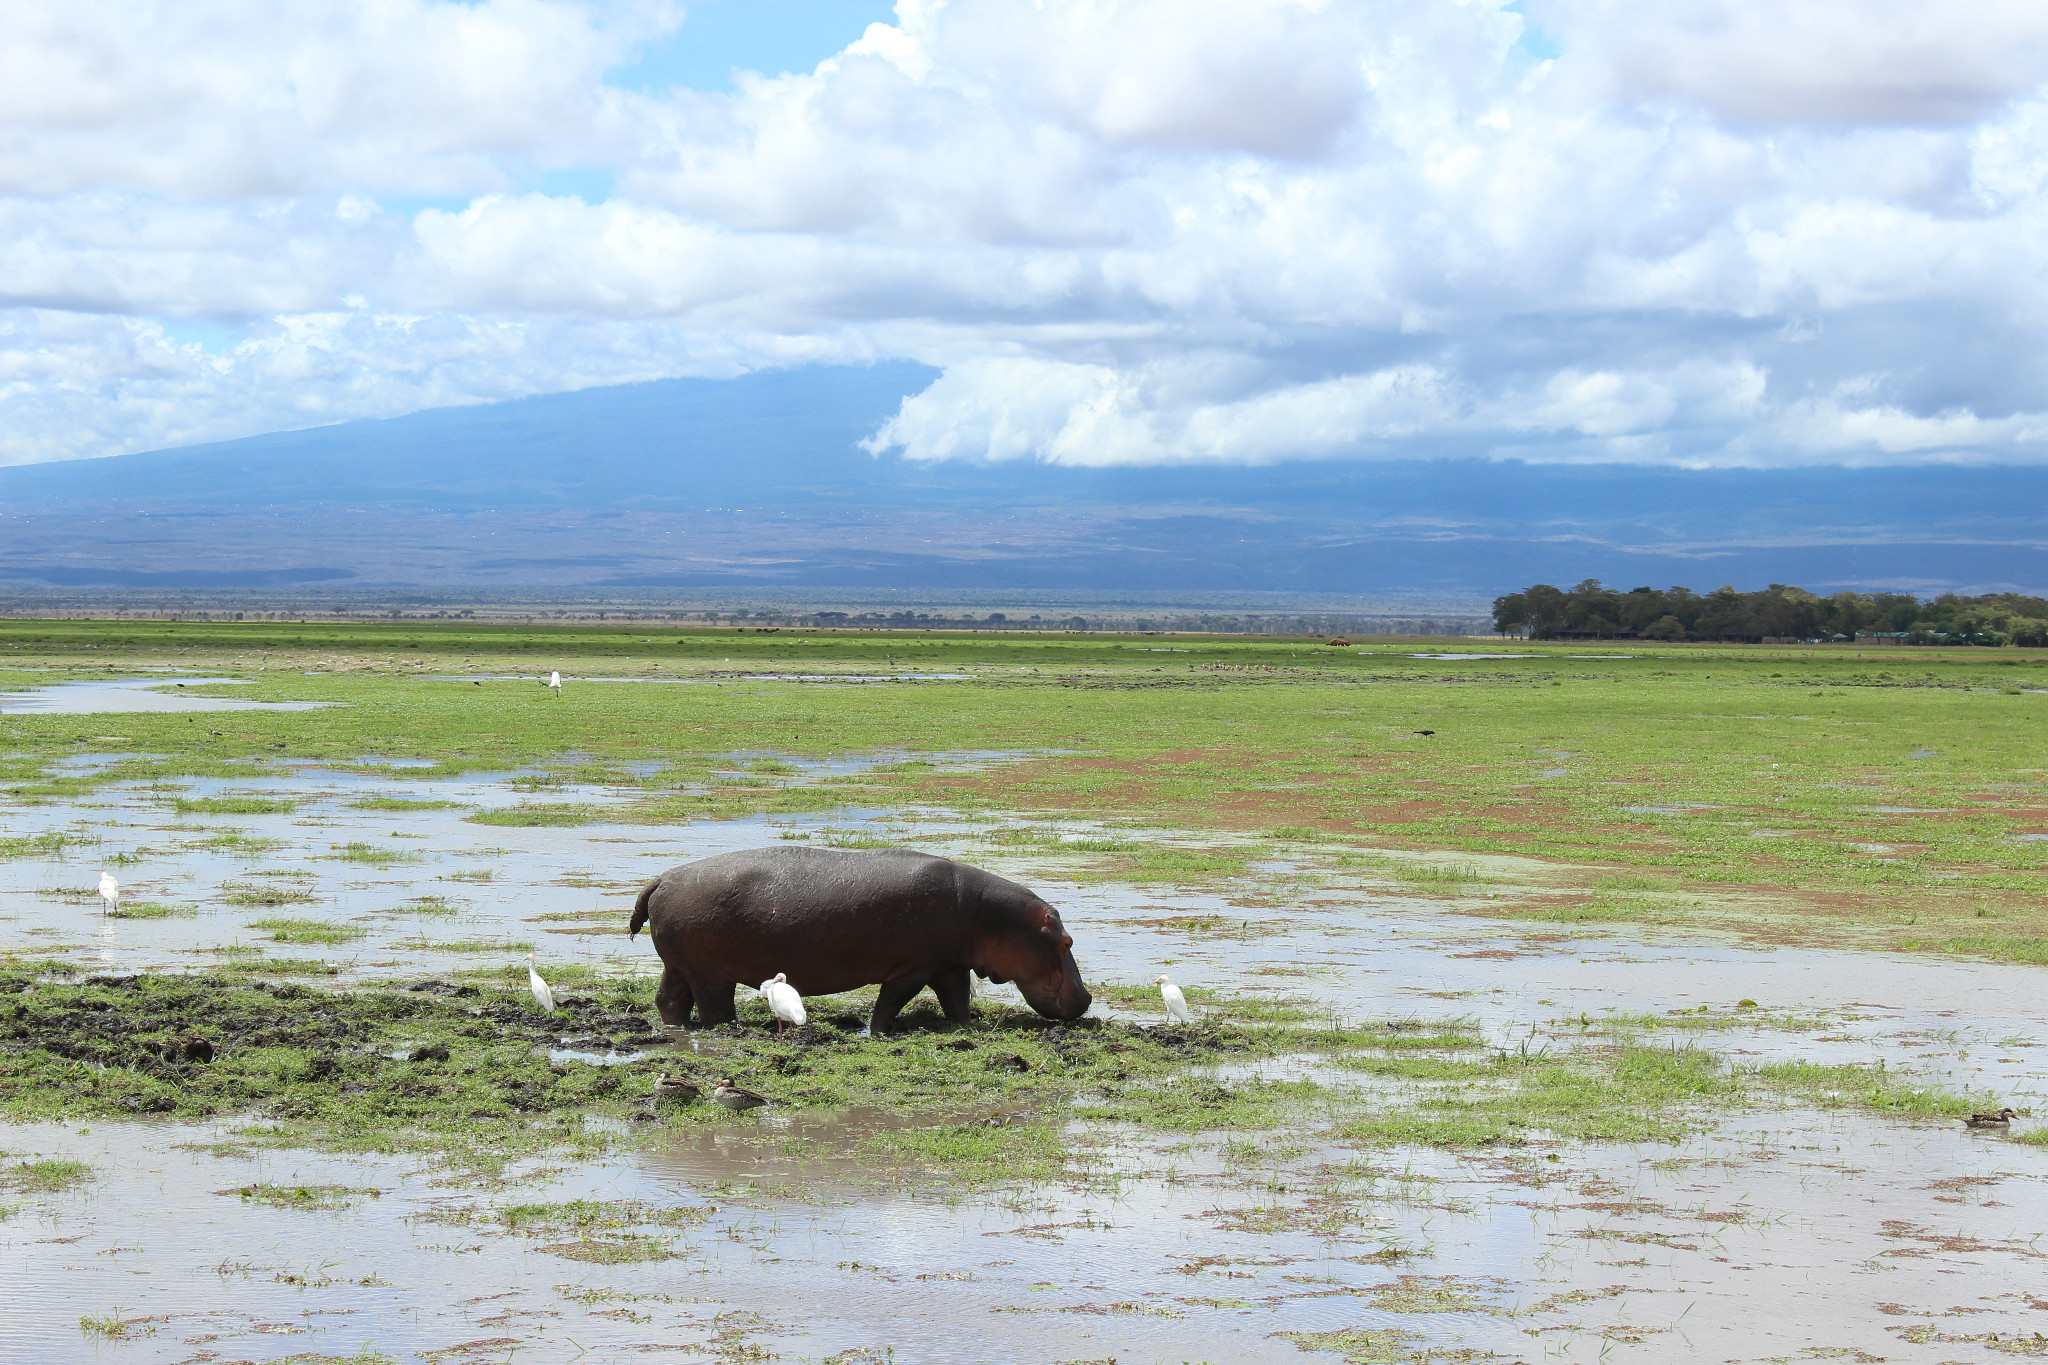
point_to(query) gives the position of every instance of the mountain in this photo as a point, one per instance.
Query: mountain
(759, 482)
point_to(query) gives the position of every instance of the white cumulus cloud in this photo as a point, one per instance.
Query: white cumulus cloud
(1688, 231)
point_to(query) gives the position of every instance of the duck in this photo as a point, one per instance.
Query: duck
(736, 1099)
(674, 1090)
(2002, 1119)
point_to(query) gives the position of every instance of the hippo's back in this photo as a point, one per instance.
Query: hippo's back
(828, 917)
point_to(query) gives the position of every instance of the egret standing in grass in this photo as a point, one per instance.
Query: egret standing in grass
(785, 1002)
(555, 682)
(542, 996)
(1176, 1003)
(109, 890)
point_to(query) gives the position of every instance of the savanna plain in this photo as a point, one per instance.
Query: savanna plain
(1552, 1002)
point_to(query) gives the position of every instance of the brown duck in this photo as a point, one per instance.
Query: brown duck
(674, 1091)
(2002, 1119)
(736, 1099)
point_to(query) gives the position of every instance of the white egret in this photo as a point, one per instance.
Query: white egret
(555, 682)
(542, 995)
(736, 1099)
(1176, 1003)
(109, 890)
(784, 1001)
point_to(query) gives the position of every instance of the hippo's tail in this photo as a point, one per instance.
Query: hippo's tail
(640, 908)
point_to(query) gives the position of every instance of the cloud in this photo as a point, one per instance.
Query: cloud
(1154, 231)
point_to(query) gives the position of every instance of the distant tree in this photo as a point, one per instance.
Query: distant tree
(1665, 628)
(1510, 613)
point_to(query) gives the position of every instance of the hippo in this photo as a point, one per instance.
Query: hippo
(832, 919)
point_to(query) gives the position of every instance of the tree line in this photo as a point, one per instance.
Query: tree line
(1592, 610)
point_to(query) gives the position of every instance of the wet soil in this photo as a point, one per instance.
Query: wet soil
(210, 1231)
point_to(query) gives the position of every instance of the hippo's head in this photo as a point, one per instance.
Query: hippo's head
(1033, 949)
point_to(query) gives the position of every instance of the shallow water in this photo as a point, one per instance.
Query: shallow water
(1778, 1234)
(117, 695)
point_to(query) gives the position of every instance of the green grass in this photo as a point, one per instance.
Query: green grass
(466, 945)
(399, 803)
(2001, 947)
(1677, 755)
(371, 855)
(48, 1175)
(542, 816)
(304, 1196)
(235, 805)
(151, 910)
(283, 930)
(49, 845)
(264, 893)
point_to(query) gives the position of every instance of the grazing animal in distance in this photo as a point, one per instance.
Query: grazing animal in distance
(109, 890)
(730, 1095)
(833, 919)
(1176, 1003)
(543, 995)
(784, 1000)
(2002, 1119)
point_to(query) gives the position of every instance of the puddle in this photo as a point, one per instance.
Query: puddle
(1774, 1234)
(1475, 656)
(117, 695)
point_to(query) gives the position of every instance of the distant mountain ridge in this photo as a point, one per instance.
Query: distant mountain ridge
(760, 481)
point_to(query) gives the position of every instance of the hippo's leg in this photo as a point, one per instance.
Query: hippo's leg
(951, 988)
(673, 996)
(893, 996)
(714, 1001)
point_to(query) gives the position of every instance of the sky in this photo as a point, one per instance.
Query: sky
(1758, 233)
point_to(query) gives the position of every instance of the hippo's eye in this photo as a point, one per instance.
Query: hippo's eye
(1066, 940)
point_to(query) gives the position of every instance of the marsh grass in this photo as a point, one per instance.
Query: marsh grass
(114, 1327)
(399, 803)
(258, 965)
(1609, 909)
(371, 855)
(471, 946)
(537, 816)
(283, 930)
(1999, 947)
(151, 910)
(264, 893)
(1410, 872)
(44, 1175)
(235, 841)
(50, 845)
(234, 805)
(317, 1197)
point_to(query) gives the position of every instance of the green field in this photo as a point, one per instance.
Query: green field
(1883, 797)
